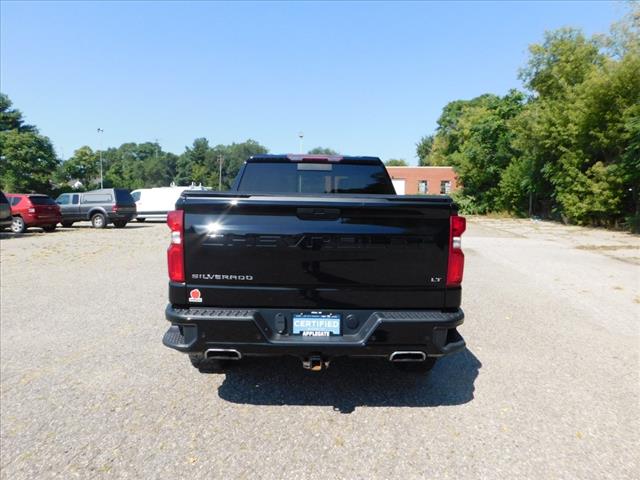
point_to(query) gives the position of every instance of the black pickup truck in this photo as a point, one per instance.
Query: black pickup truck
(316, 257)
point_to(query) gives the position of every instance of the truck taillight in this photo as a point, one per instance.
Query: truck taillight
(455, 268)
(114, 209)
(175, 253)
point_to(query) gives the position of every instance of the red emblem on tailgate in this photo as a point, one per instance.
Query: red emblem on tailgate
(195, 296)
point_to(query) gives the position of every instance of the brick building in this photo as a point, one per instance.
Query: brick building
(423, 180)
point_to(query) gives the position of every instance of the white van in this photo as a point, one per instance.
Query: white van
(154, 203)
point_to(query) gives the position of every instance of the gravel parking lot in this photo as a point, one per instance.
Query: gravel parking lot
(548, 388)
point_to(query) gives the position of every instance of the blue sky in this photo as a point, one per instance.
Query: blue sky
(360, 77)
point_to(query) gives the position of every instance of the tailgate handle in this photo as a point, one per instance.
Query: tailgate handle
(314, 213)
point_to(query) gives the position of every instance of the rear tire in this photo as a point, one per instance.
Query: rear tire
(208, 365)
(98, 220)
(119, 224)
(67, 224)
(49, 228)
(416, 367)
(141, 220)
(18, 225)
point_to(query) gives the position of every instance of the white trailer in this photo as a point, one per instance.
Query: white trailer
(154, 203)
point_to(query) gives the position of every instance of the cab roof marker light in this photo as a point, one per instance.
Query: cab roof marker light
(301, 157)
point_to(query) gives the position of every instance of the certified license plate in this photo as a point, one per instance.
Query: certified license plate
(316, 324)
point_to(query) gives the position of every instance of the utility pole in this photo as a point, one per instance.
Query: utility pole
(220, 160)
(100, 151)
(300, 136)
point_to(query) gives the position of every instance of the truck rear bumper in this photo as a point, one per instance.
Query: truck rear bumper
(121, 216)
(365, 333)
(42, 220)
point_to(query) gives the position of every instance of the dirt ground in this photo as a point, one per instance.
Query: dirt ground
(549, 386)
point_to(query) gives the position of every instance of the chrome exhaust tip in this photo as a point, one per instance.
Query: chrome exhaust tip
(222, 354)
(410, 356)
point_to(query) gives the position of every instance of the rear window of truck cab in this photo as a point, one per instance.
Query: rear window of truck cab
(97, 198)
(123, 197)
(290, 177)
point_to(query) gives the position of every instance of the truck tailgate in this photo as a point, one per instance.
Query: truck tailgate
(382, 251)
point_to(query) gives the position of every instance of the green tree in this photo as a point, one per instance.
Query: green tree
(160, 170)
(578, 130)
(27, 159)
(423, 149)
(28, 162)
(571, 150)
(82, 166)
(630, 166)
(11, 118)
(234, 156)
(322, 151)
(195, 164)
(475, 137)
(396, 162)
(200, 163)
(516, 186)
(563, 60)
(139, 165)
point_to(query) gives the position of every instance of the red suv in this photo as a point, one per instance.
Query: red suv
(33, 210)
